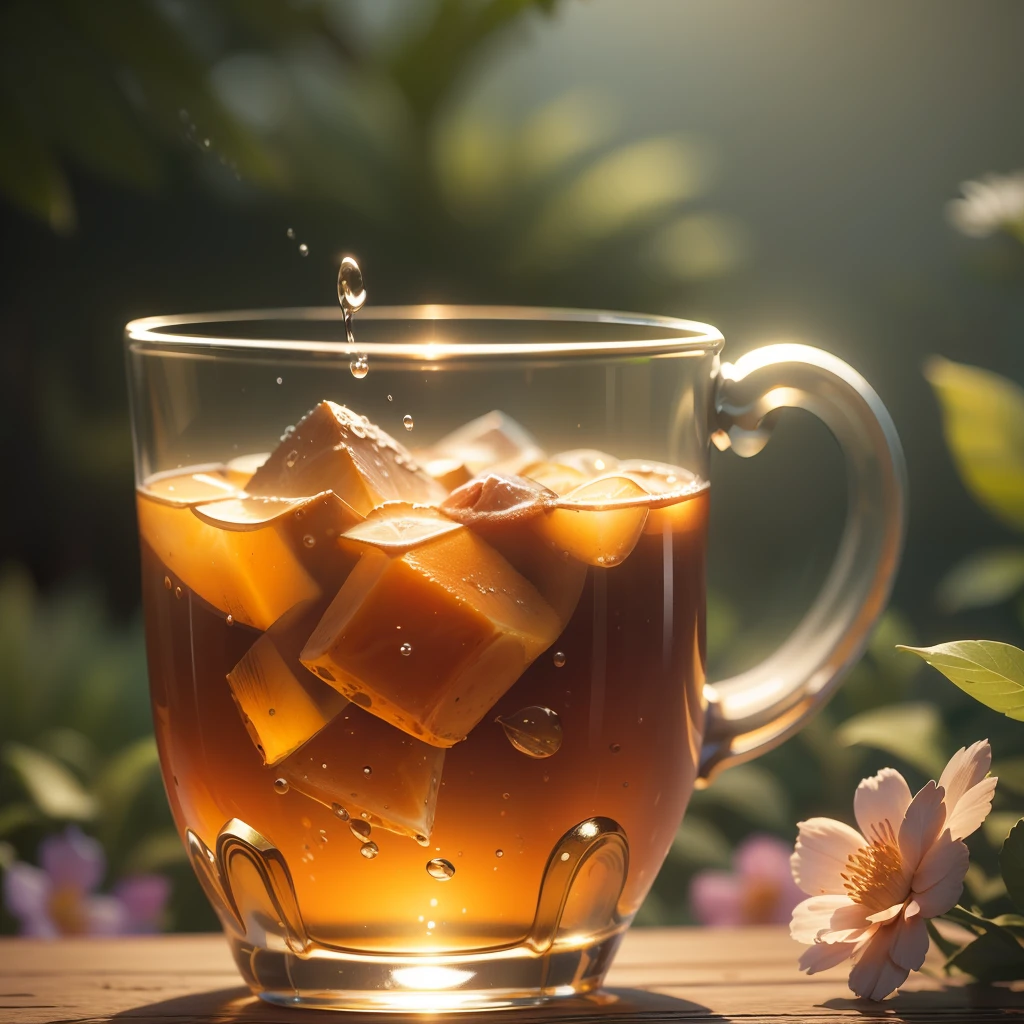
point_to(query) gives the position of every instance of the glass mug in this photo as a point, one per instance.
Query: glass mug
(428, 678)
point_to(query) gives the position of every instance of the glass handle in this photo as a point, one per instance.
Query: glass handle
(754, 711)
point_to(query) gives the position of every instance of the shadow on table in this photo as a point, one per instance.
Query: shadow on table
(239, 1006)
(975, 1003)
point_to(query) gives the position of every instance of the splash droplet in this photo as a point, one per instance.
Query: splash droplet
(359, 828)
(559, 659)
(369, 850)
(339, 812)
(351, 290)
(407, 422)
(290, 233)
(360, 367)
(535, 731)
(405, 650)
(303, 249)
(281, 786)
(440, 869)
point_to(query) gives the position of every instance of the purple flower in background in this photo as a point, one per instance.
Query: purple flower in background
(59, 898)
(759, 890)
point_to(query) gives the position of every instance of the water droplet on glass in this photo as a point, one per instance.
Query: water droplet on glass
(559, 659)
(405, 650)
(499, 853)
(167, 583)
(535, 731)
(177, 593)
(407, 422)
(230, 620)
(565, 856)
(369, 850)
(390, 399)
(291, 458)
(359, 828)
(309, 540)
(281, 786)
(339, 812)
(367, 770)
(290, 233)
(614, 747)
(440, 869)
(272, 712)
(360, 367)
(303, 249)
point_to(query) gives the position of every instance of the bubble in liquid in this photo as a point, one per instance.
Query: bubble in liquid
(407, 422)
(405, 650)
(559, 659)
(499, 853)
(177, 593)
(290, 233)
(281, 786)
(351, 290)
(303, 249)
(309, 540)
(359, 828)
(167, 583)
(360, 367)
(440, 869)
(534, 731)
(339, 812)
(369, 850)
(614, 747)
(367, 770)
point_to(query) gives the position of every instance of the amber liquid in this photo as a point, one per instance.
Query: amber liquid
(625, 679)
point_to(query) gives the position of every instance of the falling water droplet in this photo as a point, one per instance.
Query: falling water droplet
(559, 659)
(369, 850)
(303, 249)
(407, 422)
(405, 650)
(351, 290)
(360, 367)
(290, 233)
(359, 828)
(339, 812)
(440, 869)
(167, 583)
(281, 786)
(535, 731)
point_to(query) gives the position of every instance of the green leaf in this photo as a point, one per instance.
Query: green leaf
(989, 671)
(946, 947)
(994, 956)
(912, 732)
(1011, 863)
(982, 888)
(698, 843)
(53, 789)
(996, 827)
(983, 420)
(1010, 772)
(982, 580)
(752, 792)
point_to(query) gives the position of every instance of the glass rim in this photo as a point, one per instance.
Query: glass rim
(671, 334)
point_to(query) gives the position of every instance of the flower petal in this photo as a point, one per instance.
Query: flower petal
(73, 860)
(105, 915)
(144, 898)
(966, 768)
(925, 817)
(884, 916)
(910, 944)
(824, 955)
(762, 856)
(823, 848)
(814, 916)
(26, 891)
(715, 898)
(875, 975)
(972, 809)
(939, 880)
(847, 924)
(883, 798)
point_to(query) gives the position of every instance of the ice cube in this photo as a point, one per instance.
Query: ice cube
(281, 702)
(252, 570)
(449, 473)
(490, 441)
(333, 448)
(588, 461)
(599, 522)
(429, 638)
(670, 488)
(397, 527)
(555, 476)
(493, 497)
(398, 792)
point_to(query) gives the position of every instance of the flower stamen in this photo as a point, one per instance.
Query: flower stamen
(873, 876)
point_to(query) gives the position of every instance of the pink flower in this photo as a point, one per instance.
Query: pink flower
(870, 897)
(759, 891)
(59, 898)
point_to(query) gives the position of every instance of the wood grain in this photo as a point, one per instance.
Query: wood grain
(745, 975)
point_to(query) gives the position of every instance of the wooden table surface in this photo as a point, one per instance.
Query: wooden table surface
(676, 974)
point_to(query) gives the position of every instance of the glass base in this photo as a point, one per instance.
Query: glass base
(324, 979)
